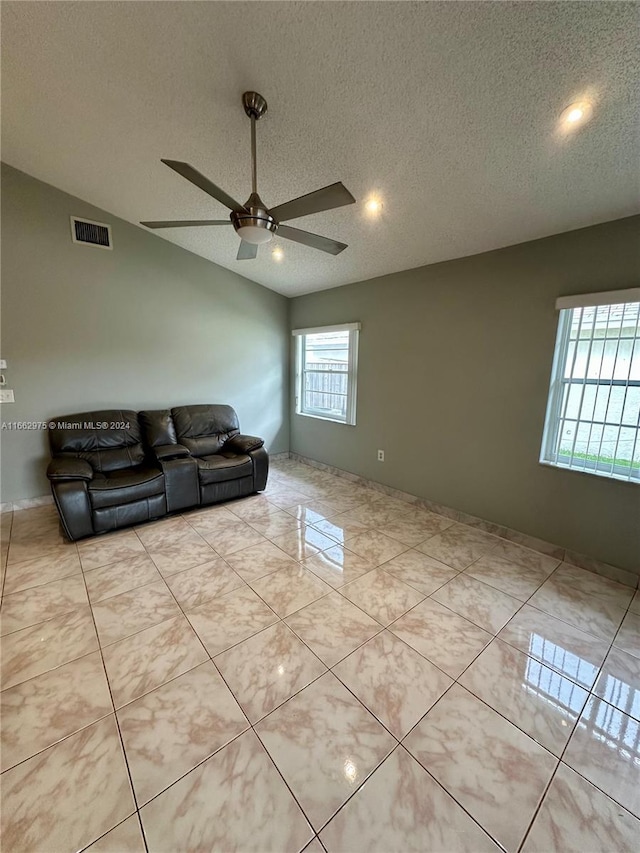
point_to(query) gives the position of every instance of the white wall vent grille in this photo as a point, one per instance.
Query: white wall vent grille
(91, 233)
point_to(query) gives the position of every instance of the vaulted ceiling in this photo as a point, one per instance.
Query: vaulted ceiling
(447, 111)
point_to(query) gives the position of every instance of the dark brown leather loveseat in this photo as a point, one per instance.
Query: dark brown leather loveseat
(114, 468)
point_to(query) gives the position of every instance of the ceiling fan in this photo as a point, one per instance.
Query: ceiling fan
(253, 221)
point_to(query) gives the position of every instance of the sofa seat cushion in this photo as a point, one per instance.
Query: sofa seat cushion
(224, 466)
(125, 485)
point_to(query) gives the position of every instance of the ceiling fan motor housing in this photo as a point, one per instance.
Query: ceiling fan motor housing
(254, 224)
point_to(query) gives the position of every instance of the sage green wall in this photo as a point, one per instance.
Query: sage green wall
(145, 325)
(454, 367)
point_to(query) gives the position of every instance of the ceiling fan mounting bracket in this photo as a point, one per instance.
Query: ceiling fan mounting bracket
(254, 105)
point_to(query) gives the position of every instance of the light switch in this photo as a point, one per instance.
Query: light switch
(3, 364)
(7, 396)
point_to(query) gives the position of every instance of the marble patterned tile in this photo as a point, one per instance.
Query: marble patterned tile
(230, 619)
(256, 561)
(34, 605)
(510, 553)
(200, 585)
(69, 795)
(325, 743)
(517, 581)
(576, 817)
(40, 712)
(375, 547)
(170, 730)
(634, 607)
(181, 552)
(268, 668)
(253, 506)
(158, 534)
(207, 809)
(393, 681)
(604, 749)
(382, 596)
(277, 523)
(290, 589)
(41, 570)
(125, 614)
(39, 648)
(578, 608)
(419, 571)
(490, 767)
(124, 838)
(23, 550)
(109, 548)
(441, 636)
(538, 700)
(233, 537)
(415, 527)
(458, 546)
(123, 576)
(374, 514)
(628, 637)
(339, 529)
(483, 605)
(215, 519)
(314, 847)
(304, 543)
(146, 660)
(571, 652)
(402, 808)
(333, 627)
(338, 566)
(609, 590)
(619, 682)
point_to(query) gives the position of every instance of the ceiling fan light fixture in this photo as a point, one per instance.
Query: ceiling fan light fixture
(254, 234)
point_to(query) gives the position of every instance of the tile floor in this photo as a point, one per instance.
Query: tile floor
(320, 667)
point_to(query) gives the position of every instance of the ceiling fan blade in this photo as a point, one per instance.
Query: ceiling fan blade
(186, 223)
(246, 251)
(325, 244)
(335, 195)
(203, 183)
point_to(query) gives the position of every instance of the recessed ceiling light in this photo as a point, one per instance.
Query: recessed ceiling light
(277, 254)
(576, 115)
(373, 206)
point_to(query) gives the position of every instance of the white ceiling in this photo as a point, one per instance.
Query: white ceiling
(447, 110)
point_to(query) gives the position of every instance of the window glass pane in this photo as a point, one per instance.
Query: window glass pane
(327, 351)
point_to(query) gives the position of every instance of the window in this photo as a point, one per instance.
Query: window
(593, 413)
(326, 364)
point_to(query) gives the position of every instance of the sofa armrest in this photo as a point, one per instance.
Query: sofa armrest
(69, 468)
(243, 443)
(170, 451)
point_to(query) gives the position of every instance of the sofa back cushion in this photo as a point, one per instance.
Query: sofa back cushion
(204, 429)
(158, 428)
(109, 440)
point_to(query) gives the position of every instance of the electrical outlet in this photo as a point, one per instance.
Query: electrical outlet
(6, 396)
(381, 456)
(3, 364)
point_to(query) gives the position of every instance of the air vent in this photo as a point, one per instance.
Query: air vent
(91, 233)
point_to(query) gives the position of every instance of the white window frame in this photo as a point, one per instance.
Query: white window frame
(352, 372)
(549, 454)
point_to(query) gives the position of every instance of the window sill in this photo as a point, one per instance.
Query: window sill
(601, 475)
(322, 418)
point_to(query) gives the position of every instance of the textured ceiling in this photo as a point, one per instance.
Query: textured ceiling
(447, 110)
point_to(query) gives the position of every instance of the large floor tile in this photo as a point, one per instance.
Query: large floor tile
(609, 590)
(287, 590)
(483, 605)
(173, 728)
(628, 637)
(532, 696)
(419, 571)
(393, 681)
(458, 546)
(125, 838)
(181, 552)
(159, 534)
(499, 572)
(120, 577)
(580, 609)
(415, 526)
(333, 627)
(236, 800)
(619, 682)
(382, 596)
(374, 515)
(339, 529)
(109, 548)
(634, 607)
(338, 566)
(375, 547)
(510, 553)
(402, 808)
(40, 712)
(39, 648)
(23, 550)
(234, 538)
(69, 795)
(133, 611)
(604, 748)
(570, 651)
(34, 605)
(199, 585)
(151, 657)
(303, 543)
(41, 570)
(488, 765)
(325, 743)
(265, 670)
(256, 561)
(446, 639)
(256, 506)
(576, 817)
(230, 619)
(275, 523)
